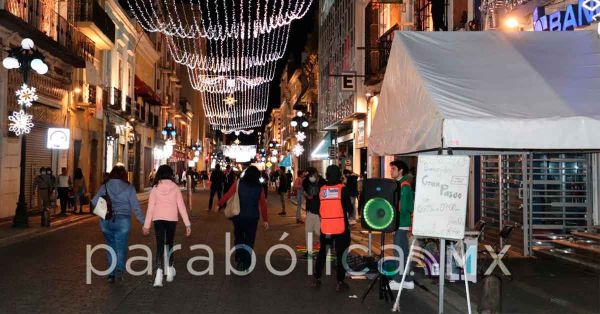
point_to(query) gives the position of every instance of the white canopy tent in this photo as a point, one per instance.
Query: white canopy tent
(489, 91)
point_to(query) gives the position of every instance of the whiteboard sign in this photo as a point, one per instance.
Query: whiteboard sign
(441, 200)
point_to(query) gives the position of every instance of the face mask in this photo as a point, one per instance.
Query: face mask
(48, 172)
(312, 179)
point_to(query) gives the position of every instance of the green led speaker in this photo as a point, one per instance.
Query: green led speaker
(378, 213)
(378, 205)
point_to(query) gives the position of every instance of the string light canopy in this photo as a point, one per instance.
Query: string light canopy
(247, 112)
(217, 19)
(230, 54)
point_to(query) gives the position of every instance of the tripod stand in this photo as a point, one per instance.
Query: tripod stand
(384, 281)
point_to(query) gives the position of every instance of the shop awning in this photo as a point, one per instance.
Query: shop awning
(143, 90)
(321, 152)
(489, 90)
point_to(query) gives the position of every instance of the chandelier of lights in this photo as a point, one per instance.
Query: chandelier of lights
(230, 54)
(217, 19)
(247, 111)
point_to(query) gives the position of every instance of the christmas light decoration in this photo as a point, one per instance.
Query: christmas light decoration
(26, 95)
(300, 136)
(297, 150)
(230, 100)
(217, 19)
(241, 153)
(20, 122)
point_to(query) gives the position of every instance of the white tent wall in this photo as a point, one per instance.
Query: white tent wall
(500, 94)
(489, 90)
(398, 125)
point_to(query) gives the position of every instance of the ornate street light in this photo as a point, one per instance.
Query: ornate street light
(25, 59)
(169, 131)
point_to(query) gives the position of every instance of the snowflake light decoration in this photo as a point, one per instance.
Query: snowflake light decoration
(26, 95)
(297, 150)
(20, 123)
(230, 100)
(300, 136)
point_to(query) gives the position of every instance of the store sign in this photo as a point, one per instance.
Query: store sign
(360, 130)
(58, 138)
(348, 82)
(574, 16)
(331, 152)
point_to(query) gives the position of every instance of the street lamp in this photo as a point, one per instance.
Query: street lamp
(169, 131)
(25, 59)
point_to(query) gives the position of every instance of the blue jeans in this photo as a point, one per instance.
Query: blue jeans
(401, 240)
(116, 235)
(299, 205)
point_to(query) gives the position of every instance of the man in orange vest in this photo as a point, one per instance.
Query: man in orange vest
(335, 206)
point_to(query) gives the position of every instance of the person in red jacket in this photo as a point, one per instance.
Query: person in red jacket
(252, 197)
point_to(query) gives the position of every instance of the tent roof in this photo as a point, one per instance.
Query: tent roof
(489, 90)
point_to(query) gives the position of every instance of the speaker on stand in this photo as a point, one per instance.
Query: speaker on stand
(379, 206)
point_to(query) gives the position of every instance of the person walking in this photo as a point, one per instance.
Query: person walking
(252, 198)
(116, 231)
(164, 205)
(352, 185)
(299, 193)
(311, 185)
(79, 190)
(217, 179)
(399, 171)
(64, 184)
(290, 180)
(334, 209)
(282, 189)
(42, 185)
(51, 179)
(264, 180)
(229, 178)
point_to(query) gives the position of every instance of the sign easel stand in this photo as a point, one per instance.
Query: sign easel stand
(442, 275)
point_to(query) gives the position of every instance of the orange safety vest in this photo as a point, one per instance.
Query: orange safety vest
(331, 210)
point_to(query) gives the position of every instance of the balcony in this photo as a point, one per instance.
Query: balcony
(105, 98)
(49, 30)
(95, 23)
(377, 55)
(150, 121)
(142, 113)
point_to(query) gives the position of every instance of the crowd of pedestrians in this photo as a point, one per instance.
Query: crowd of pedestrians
(330, 204)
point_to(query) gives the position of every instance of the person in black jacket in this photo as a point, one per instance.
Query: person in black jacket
(252, 206)
(311, 185)
(217, 179)
(282, 189)
(229, 177)
(352, 185)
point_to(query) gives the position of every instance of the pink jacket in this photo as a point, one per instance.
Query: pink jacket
(164, 203)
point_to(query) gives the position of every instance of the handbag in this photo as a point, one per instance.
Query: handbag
(233, 205)
(103, 208)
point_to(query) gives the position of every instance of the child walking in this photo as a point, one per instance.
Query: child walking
(164, 204)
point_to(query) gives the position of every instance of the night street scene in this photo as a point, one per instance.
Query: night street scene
(300, 156)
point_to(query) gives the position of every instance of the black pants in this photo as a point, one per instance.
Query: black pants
(164, 231)
(341, 242)
(212, 194)
(244, 233)
(63, 196)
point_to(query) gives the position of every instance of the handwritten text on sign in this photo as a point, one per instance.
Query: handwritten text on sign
(441, 199)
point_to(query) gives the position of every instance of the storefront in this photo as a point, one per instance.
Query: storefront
(531, 127)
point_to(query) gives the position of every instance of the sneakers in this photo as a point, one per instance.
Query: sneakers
(407, 285)
(158, 280)
(170, 273)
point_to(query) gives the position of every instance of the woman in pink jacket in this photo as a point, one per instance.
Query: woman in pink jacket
(164, 204)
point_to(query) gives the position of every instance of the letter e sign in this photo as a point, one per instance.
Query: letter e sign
(348, 81)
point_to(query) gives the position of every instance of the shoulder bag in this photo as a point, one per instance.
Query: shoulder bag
(233, 205)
